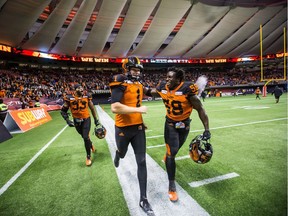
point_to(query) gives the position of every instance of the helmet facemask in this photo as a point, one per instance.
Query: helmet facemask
(100, 131)
(200, 151)
(128, 64)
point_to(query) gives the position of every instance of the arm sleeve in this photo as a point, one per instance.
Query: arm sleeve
(117, 87)
(117, 93)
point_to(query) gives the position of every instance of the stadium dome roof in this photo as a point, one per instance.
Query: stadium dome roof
(148, 29)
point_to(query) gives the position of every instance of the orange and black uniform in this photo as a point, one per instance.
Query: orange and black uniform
(81, 116)
(129, 128)
(129, 93)
(258, 92)
(177, 124)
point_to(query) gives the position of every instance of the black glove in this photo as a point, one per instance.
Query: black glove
(96, 122)
(206, 135)
(70, 123)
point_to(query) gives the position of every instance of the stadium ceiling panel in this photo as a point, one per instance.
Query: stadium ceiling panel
(267, 29)
(43, 39)
(226, 26)
(163, 23)
(108, 14)
(2, 2)
(268, 41)
(17, 17)
(149, 28)
(136, 17)
(245, 31)
(277, 46)
(67, 44)
(199, 21)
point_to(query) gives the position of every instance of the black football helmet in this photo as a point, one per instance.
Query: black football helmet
(200, 150)
(131, 62)
(100, 131)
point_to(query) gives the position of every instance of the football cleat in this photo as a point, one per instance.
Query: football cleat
(164, 158)
(88, 161)
(93, 149)
(173, 196)
(144, 204)
(116, 159)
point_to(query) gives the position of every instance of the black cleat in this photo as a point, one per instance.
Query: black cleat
(144, 204)
(116, 159)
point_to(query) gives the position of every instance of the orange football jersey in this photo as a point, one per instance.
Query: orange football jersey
(133, 94)
(79, 105)
(176, 101)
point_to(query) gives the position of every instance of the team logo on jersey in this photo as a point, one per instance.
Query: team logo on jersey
(194, 88)
(178, 93)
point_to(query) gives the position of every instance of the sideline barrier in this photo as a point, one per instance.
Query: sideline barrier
(49, 104)
(4, 133)
(19, 121)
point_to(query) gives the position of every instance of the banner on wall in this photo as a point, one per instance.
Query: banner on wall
(46, 103)
(19, 121)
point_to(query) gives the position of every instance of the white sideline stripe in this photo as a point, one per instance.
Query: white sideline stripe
(182, 157)
(157, 185)
(212, 180)
(151, 137)
(228, 126)
(22, 170)
(156, 146)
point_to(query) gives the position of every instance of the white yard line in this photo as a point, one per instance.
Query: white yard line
(157, 188)
(182, 157)
(228, 126)
(156, 146)
(22, 170)
(212, 180)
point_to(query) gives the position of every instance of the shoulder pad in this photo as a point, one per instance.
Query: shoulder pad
(161, 85)
(194, 89)
(68, 97)
(117, 79)
(88, 94)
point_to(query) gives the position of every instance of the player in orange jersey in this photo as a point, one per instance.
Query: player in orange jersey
(78, 102)
(126, 103)
(179, 98)
(257, 93)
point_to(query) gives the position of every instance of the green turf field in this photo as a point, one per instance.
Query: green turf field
(249, 138)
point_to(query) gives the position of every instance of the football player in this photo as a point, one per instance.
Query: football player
(257, 93)
(179, 98)
(79, 102)
(126, 103)
(277, 93)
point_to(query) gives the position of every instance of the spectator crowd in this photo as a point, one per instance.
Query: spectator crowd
(31, 84)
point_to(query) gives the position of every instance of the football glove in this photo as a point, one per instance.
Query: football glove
(96, 122)
(206, 135)
(70, 123)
